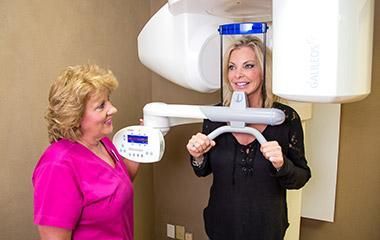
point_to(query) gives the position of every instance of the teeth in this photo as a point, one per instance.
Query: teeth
(240, 84)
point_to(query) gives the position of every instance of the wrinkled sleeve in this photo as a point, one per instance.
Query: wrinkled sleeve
(57, 198)
(295, 172)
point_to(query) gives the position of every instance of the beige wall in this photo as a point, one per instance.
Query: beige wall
(38, 39)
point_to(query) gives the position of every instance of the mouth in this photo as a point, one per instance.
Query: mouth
(240, 85)
(108, 121)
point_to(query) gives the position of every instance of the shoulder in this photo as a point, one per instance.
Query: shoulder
(59, 150)
(60, 153)
(58, 157)
(212, 124)
(209, 126)
(290, 113)
(283, 107)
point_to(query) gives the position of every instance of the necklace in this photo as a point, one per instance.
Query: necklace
(96, 148)
(99, 150)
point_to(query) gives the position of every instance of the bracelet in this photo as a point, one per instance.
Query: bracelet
(198, 163)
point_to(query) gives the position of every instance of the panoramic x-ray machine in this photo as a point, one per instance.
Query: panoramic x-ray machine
(146, 143)
(322, 52)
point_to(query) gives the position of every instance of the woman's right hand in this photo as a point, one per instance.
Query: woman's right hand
(199, 144)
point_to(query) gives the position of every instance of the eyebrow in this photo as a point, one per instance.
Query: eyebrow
(248, 61)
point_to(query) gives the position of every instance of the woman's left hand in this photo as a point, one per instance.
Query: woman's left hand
(272, 151)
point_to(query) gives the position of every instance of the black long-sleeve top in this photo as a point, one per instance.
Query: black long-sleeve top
(248, 195)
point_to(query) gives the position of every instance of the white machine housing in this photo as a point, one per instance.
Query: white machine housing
(322, 49)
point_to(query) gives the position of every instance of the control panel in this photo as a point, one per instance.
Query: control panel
(140, 143)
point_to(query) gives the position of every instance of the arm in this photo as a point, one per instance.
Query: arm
(53, 233)
(292, 176)
(132, 168)
(57, 199)
(294, 172)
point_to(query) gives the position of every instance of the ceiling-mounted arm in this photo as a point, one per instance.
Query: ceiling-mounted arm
(162, 116)
(146, 143)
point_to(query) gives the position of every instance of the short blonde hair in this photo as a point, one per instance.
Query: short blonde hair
(68, 96)
(258, 47)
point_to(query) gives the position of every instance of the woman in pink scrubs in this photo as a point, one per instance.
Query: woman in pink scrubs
(82, 187)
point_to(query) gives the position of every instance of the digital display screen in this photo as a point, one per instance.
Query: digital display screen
(138, 139)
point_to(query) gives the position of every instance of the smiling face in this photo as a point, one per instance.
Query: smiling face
(244, 72)
(97, 118)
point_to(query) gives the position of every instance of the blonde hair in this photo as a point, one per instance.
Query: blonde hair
(258, 47)
(68, 96)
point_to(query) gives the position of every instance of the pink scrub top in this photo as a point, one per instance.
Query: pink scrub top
(76, 190)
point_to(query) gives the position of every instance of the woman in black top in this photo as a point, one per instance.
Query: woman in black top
(248, 194)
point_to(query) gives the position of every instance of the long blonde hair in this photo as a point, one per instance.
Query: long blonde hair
(68, 96)
(258, 47)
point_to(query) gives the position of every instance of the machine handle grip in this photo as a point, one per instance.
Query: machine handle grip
(248, 130)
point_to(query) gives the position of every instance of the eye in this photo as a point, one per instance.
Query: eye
(101, 106)
(249, 66)
(231, 67)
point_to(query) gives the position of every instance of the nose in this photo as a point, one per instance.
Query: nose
(239, 73)
(112, 110)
